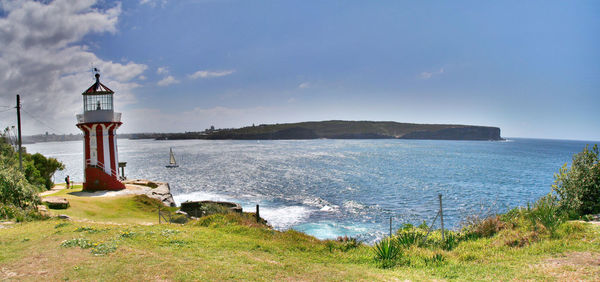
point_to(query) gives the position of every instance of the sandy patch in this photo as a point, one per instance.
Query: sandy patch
(130, 189)
(575, 266)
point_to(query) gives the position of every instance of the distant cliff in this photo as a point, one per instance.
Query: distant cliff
(337, 129)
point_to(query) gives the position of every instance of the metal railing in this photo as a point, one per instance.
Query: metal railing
(101, 166)
(99, 116)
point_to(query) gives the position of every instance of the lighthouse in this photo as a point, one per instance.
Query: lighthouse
(99, 124)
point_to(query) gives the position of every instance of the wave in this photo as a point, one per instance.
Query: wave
(285, 217)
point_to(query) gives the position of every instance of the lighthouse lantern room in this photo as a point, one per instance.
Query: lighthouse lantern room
(99, 124)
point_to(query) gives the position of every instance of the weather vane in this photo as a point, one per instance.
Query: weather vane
(95, 70)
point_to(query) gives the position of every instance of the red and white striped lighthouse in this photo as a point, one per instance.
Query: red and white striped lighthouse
(99, 124)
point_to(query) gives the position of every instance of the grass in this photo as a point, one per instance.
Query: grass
(118, 209)
(102, 244)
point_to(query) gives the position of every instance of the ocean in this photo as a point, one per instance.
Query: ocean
(330, 188)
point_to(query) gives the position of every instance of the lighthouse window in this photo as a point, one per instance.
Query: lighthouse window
(97, 102)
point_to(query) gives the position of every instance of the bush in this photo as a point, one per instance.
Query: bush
(348, 243)
(409, 237)
(14, 188)
(488, 227)
(435, 260)
(386, 252)
(546, 212)
(578, 187)
(9, 211)
(519, 238)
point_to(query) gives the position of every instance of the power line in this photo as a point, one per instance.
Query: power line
(43, 123)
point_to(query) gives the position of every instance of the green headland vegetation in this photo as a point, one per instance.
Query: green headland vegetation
(118, 238)
(340, 129)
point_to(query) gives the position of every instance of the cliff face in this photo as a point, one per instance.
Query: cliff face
(458, 133)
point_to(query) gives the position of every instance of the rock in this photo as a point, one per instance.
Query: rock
(195, 208)
(56, 202)
(64, 216)
(181, 212)
(43, 210)
(162, 193)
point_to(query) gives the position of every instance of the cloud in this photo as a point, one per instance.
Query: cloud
(153, 3)
(210, 74)
(304, 85)
(167, 81)
(44, 60)
(162, 70)
(428, 75)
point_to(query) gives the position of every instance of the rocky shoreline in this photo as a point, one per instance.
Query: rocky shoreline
(153, 189)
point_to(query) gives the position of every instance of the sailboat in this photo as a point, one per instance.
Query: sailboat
(172, 161)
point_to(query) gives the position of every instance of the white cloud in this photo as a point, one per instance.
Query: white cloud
(304, 85)
(44, 59)
(167, 81)
(209, 74)
(162, 70)
(153, 3)
(428, 75)
(142, 77)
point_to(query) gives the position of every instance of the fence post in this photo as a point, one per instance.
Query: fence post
(390, 226)
(441, 216)
(159, 215)
(257, 214)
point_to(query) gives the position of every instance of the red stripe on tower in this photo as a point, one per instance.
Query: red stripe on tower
(100, 146)
(111, 146)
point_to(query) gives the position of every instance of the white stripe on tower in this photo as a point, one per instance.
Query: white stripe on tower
(115, 149)
(105, 146)
(93, 145)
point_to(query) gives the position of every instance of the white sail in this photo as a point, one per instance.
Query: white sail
(172, 157)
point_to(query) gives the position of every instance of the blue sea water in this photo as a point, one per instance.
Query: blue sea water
(330, 188)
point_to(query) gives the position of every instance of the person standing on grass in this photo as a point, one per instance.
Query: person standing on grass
(67, 181)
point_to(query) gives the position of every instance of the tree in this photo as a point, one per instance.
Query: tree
(578, 187)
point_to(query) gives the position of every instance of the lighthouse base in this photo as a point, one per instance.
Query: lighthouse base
(96, 179)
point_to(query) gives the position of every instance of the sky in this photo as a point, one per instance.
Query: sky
(531, 68)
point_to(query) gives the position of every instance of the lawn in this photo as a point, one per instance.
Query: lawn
(110, 239)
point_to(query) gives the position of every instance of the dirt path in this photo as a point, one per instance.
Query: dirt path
(574, 266)
(54, 189)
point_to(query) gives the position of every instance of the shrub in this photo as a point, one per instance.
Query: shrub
(348, 243)
(451, 240)
(10, 211)
(520, 238)
(578, 187)
(386, 252)
(545, 211)
(409, 237)
(15, 190)
(488, 227)
(435, 260)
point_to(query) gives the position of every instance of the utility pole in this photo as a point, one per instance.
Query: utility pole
(19, 129)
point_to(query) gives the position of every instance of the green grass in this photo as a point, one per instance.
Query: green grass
(118, 209)
(109, 245)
